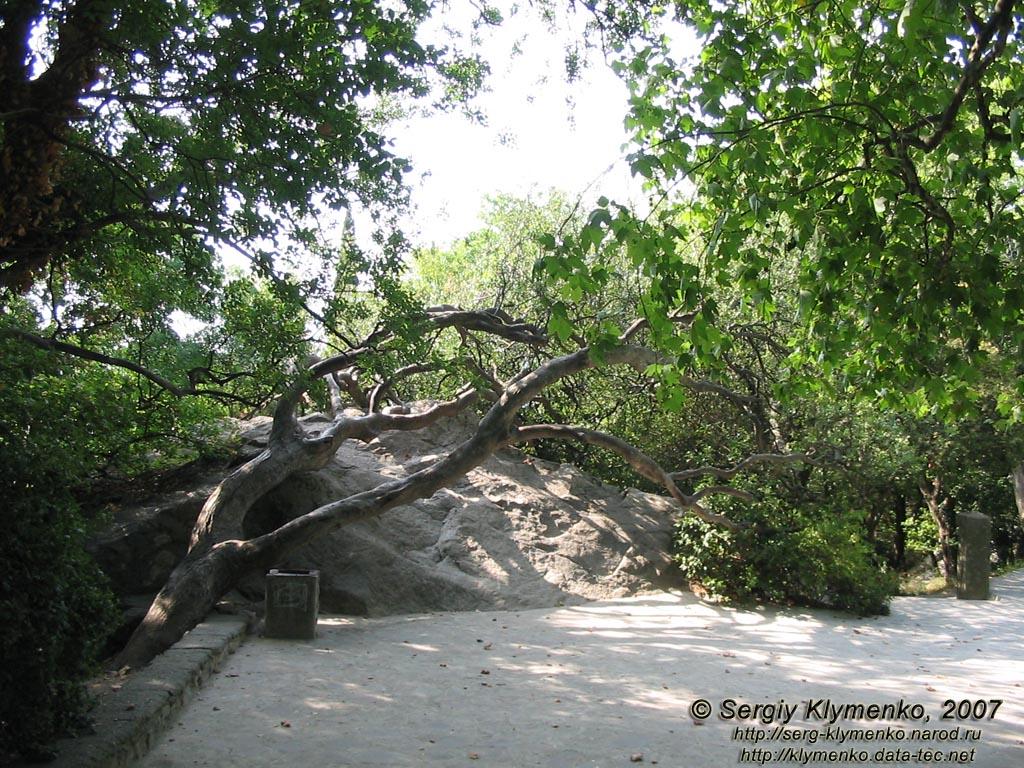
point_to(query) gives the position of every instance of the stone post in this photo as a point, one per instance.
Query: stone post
(975, 531)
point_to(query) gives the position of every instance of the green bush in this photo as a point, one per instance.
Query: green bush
(56, 613)
(55, 610)
(787, 557)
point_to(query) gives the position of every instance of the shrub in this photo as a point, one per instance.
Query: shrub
(55, 610)
(791, 557)
(56, 615)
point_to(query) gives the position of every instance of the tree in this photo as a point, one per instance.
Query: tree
(141, 144)
(853, 166)
(166, 129)
(874, 147)
(219, 555)
(810, 532)
(138, 142)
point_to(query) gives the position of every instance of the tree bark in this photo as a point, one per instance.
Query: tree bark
(940, 506)
(215, 564)
(900, 538)
(37, 112)
(1017, 476)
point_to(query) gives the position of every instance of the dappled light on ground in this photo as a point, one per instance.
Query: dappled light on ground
(599, 683)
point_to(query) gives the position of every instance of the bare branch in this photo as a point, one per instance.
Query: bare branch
(494, 431)
(291, 451)
(723, 490)
(757, 458)
(700, 385)
(641, 463)
(386, 387)
(989, 44)
(369, 426)
(488, 321)
(677, 316)
(494, 387)
(334, 388)
(53, 345)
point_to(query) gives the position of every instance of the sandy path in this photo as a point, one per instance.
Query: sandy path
(612, 683)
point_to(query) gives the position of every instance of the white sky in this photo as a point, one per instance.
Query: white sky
(534, 139)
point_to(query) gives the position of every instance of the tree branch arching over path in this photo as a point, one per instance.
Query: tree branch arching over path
(218, 557)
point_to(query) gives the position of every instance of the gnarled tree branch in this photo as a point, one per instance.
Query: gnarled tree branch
(757, 458)
(83, 353)
(643, 464)
(989, 43)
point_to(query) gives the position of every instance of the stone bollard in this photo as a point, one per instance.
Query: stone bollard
(975, 531)
(293, 600)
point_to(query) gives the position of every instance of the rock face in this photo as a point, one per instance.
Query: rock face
(515, 533)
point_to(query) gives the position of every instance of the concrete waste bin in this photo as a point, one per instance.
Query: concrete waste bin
(293, 600)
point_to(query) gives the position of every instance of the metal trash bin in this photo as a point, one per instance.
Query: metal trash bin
(293, 600)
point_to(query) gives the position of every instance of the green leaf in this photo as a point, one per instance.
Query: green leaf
(559, 323)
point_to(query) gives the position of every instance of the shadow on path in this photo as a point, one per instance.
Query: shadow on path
(605, 683)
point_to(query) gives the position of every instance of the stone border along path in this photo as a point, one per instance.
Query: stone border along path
(131, 713)
(607, 683)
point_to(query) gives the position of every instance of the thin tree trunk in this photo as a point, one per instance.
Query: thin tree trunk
(900, 538)
(940, 506)
(1018, 489)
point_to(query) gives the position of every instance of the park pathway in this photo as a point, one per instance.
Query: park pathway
(939, 682)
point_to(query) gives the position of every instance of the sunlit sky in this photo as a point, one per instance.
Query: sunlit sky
(540, 133)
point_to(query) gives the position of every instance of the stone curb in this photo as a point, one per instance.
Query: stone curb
(129, 718)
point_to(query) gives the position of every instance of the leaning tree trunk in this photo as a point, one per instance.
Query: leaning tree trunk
(218, 557)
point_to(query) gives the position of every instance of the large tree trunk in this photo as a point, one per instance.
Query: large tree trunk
(38, 111)
(217, 558)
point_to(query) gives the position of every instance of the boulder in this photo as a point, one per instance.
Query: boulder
(515, 533)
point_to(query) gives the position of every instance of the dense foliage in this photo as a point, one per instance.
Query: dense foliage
(810, 553)
(841, 529)
(833, 227)
(848, 175)
(164, 172)
(56, 607)
(864, 157)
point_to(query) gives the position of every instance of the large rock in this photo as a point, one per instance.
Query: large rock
(515, 533)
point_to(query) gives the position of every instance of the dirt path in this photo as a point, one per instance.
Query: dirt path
(612, 684)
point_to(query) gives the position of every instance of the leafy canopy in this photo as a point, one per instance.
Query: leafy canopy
(140, 144)
(864, 159)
